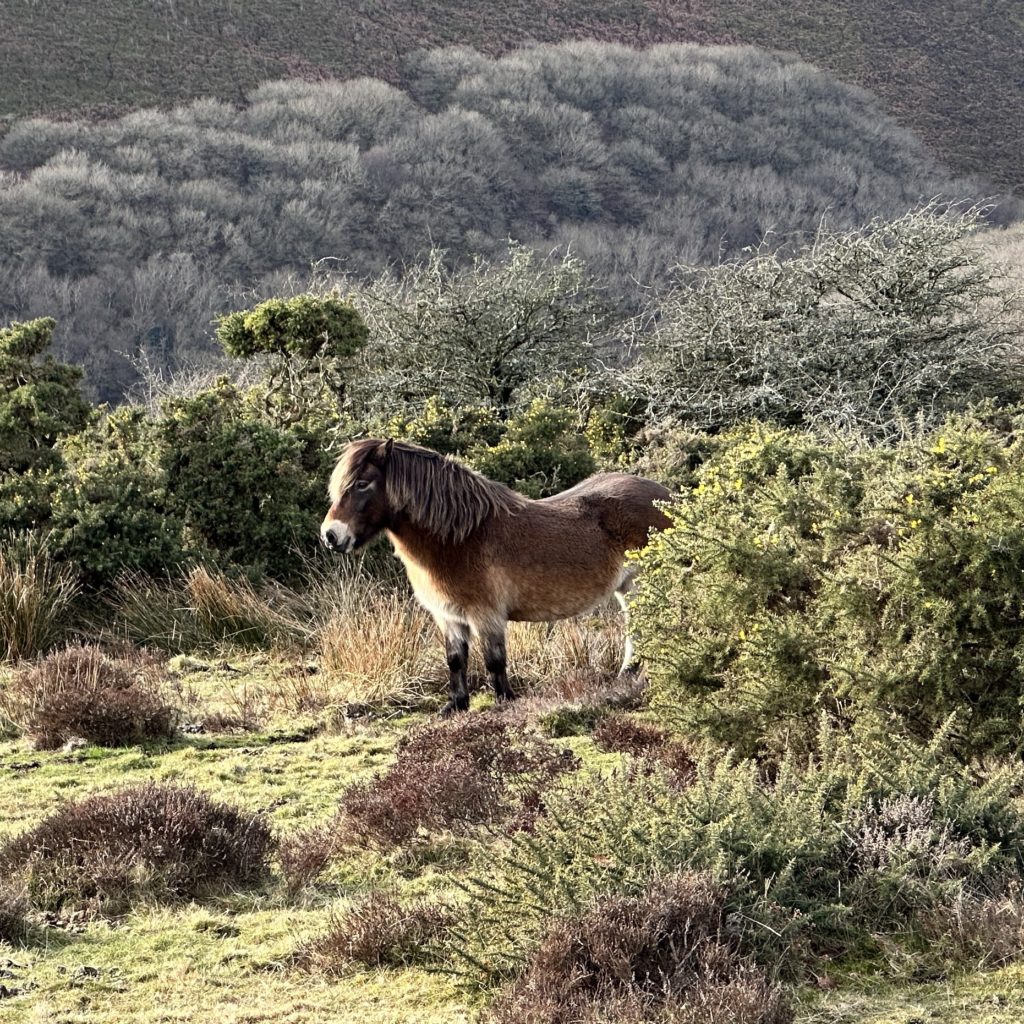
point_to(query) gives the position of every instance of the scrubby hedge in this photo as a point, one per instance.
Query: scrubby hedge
(882, 585)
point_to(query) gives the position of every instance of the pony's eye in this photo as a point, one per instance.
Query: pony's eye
(363, 485)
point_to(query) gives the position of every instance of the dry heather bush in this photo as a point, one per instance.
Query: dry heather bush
(84, 692)
(14, 929)
(648, 742)
(35, 599)
(578, 702)
(663, 955)
(452, 775)
(377, 932)
(979, 933)
(303, 855)
(148, 842)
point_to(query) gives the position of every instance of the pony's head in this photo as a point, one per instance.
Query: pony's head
(358, 495)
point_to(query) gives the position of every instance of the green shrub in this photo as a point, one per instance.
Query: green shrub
(111, 507)
(883, 586)
(40, 402)
(236, 482)
(306, 326)
(538, 450)
(840, 853)
(209, 478)
(541, 452)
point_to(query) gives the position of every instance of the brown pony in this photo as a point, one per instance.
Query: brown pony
(479, 554)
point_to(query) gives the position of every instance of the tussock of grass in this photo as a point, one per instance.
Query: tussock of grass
(206, 610)
(152, 842)
(377, 647)
(549, 656)
(85, 693)
(35, 599)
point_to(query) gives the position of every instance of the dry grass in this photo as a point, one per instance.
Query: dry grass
(206, 610)
(377, 648)
(35, 599)
(546, 655)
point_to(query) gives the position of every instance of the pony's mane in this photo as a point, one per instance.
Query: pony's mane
(438, 494)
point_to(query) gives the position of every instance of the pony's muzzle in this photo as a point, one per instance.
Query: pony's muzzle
(336, 537)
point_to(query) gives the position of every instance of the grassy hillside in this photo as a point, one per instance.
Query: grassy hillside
(949, 70)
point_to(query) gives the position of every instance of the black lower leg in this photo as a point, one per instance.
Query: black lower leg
(495, 661)
(456, 646)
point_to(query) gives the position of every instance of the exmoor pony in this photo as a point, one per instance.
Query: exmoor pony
(479, 554)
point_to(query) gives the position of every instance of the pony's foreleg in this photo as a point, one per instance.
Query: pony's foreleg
(456, 648)
(496, 663)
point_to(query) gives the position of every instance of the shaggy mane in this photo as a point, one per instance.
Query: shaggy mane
(438, 494)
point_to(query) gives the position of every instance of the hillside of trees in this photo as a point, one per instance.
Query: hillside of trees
(949, 70)
(134, 232)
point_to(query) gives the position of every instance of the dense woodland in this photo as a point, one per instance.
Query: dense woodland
(134, 232)
(948, 70)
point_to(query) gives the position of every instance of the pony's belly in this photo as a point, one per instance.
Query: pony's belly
(549, 600)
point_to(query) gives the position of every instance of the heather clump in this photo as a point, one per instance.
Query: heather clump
(142, 843)
(86, 693)
(665, 954)
(455, 775)
(377, 931)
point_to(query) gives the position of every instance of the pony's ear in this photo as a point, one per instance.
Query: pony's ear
(385, 450)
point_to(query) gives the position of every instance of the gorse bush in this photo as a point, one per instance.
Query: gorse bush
(882, 586)
(40, 402)
(539, 450)
(151, 842)
(84, 693)
(208, 477)
(840, 853)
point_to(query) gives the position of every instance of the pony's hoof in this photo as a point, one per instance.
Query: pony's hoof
(453, 707)
(506, 696)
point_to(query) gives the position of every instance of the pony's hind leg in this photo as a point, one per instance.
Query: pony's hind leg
(456, 648)
(495, 661)
(630, 665)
